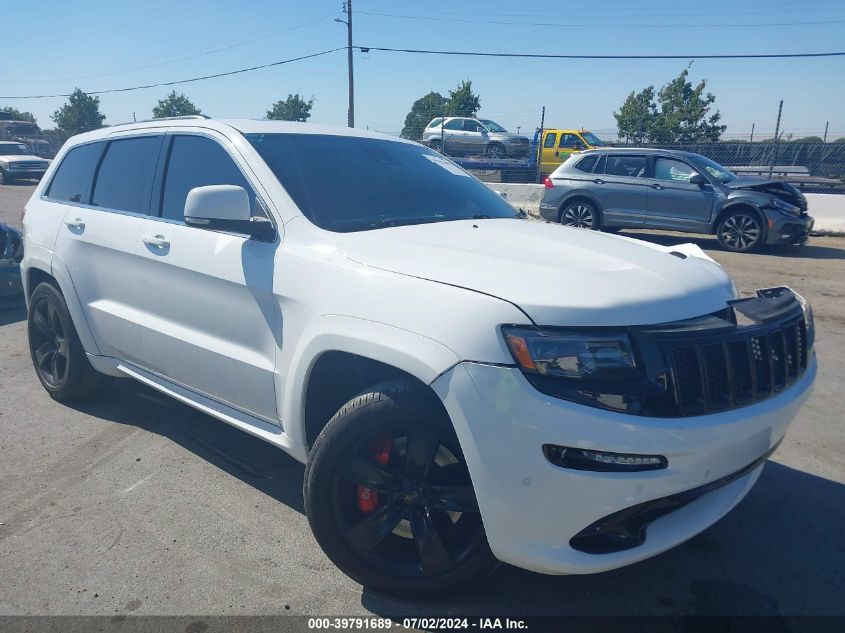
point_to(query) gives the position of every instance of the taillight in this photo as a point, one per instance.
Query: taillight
(547, 183)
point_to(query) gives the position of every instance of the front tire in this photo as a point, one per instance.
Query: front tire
(389, 497)
(57, 353)
(580, 214)
(740, 231)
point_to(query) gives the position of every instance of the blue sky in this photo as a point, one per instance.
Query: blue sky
(98, 44)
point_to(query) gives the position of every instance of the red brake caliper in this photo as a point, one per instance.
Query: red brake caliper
(367, 497)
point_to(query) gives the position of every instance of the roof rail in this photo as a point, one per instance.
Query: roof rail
(168, 118)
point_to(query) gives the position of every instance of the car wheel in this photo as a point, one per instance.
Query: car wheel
(57, 354)
(496, 150)
(740, 231)
(580, 214)
(437, 146)
(4, 179)
(389, 497)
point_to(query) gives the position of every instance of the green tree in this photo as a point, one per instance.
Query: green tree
(175, 105)
(81, 113)
(294, 108)
(18, 115)
(635, 118)
(681, 114)
(422, 111)
(809, 139)
(463, 101)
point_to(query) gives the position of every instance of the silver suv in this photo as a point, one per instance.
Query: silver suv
(611, 189)
(463, 136)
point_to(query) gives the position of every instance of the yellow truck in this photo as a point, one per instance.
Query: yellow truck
(558, 145)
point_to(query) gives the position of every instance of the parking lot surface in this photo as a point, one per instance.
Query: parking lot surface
(137, 504)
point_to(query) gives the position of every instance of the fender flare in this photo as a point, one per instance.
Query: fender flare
(59, 272)
(413, 353)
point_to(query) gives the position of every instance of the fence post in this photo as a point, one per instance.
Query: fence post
(775, 148)
(539, 149)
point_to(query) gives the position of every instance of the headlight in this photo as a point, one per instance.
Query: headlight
(809, 320)
(575, 356)
(780, 205)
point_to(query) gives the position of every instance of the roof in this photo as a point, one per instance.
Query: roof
(244, 126)
(639, 150)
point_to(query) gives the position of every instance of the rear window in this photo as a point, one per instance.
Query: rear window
(382, 183)
(436, 122)
(587, 163)
(125, 178)
(72, 181)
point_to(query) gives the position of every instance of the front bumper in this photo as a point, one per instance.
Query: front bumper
(25, 173)
(532, 509)
(788, 229)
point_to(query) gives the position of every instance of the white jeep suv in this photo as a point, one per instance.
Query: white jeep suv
(466, 385)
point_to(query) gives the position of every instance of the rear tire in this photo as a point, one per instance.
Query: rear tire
(437, 146)
(57, 353)
(414, 529)
(496, 150)
(4, 178)
(580, 214)
(740, 231)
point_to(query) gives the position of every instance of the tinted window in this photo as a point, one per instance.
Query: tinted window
(125, 177)
(382, 183)
(471, 126)
(454, 124)
(571, 141)
(72, 182)
(671, 169)
(624, 165)
(586, 164)
(436, 122)
(197, 161)
(550, 140)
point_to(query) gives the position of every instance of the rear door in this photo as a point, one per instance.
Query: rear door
(105, 187)
(549, 155)
(621, 186)
(474, 138)
(453, 132)
(212, 322)
(674, 202)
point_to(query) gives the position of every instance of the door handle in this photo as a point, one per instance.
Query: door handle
(156, 241)
(598, 181)
(76, 223)
(656, 186)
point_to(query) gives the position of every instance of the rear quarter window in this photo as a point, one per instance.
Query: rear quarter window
(587, 163)
(73, 178)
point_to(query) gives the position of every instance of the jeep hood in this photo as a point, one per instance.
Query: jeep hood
(556, 275)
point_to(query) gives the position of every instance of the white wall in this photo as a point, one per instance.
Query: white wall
(827, 208)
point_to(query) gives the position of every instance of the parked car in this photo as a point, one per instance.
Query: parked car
(17, 162)
(465, 385)
(611, 189)
(464, 135)
(11, 253)
(558, 145)
(25, 132)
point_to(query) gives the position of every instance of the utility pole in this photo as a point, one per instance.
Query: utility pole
(752, 133)
(775, 148)
(347, 9)
(826, 123)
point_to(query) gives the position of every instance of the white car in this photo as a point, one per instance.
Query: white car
(465, 385)
(17, 162)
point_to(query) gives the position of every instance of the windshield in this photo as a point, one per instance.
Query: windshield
(722, 174)
(592, 139)
(348, 183)
(492, 125)
(14, 149)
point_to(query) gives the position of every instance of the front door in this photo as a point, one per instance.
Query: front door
(673, 201)
(213, 324)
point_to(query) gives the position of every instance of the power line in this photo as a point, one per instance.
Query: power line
(185, 81)
(366, 49)
(595, 25)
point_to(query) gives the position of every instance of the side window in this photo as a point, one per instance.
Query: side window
(571, 141)
(436, 122)
(550, 139)
(625, 165)
(671, 169)
(197, 161)
(600, 165)
(72, 182)
(454, 124)
(586, 164)
(125, 178)
(471, 126)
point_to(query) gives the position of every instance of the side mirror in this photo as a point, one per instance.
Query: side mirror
(225, 208)
(698, 179)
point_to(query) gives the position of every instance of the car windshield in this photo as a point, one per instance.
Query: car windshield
(492, 126)
(14, 149)
(715, 169)
(349, 183)
(592, 139)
